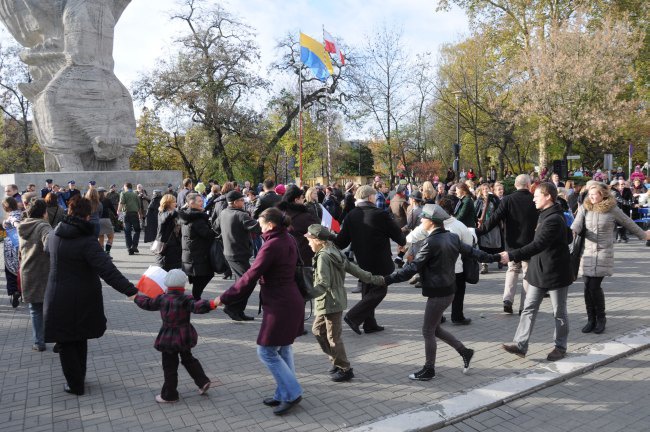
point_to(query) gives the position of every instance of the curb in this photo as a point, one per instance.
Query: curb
(458, 408)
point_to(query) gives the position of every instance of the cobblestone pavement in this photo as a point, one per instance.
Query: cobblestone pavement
(611, 398)
(124, 371)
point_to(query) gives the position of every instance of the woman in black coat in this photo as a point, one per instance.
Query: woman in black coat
(169, 233)
(197, 238)
(151, 218)
(74, 306)
(293, 205)
(464, 211)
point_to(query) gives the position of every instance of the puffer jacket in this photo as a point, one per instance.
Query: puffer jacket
(196, 240)
(330, 267)
(600, 218)
(34, 260)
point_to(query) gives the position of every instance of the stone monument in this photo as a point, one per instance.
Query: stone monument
(83, 115)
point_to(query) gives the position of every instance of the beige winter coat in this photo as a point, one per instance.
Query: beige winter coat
(34, 260)
(601, 218)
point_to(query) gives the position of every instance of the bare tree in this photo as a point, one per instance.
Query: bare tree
(16, 109)
(210, 77)
(423, 83)
(314, 92)
(380, 85)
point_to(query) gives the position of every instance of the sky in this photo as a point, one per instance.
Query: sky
(145, 33)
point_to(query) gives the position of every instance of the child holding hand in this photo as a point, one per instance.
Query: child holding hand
(177, 336)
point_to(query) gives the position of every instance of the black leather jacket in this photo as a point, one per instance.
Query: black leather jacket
(436, 261)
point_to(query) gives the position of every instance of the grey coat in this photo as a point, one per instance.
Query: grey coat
(601, 218)
(34, 260)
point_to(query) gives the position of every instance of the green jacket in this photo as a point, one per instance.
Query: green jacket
(330, 266)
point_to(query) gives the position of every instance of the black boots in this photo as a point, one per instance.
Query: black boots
(595, 303)
(600, 324)
(591, 323)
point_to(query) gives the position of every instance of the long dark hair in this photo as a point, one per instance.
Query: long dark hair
(276, 217)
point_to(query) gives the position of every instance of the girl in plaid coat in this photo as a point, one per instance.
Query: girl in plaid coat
(177, 336)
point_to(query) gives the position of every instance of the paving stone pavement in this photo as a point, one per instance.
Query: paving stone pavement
(612, 398)
(124, 370)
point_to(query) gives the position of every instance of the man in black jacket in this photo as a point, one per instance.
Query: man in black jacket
(235, 225)
(435, 262)
(268, 199)
(548, 272)
(519, 214)
(369, 231)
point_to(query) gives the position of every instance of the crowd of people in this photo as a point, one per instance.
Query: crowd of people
(58, 246)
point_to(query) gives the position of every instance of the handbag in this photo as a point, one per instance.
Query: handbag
(304, 277)
(217, 258)
(577, 248)
(471, 268)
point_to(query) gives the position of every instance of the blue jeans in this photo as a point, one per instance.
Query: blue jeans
(534, 298)
(36, 313)
(279, 361)
(132, 224)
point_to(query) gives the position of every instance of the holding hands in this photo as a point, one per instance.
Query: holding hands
(505, 258)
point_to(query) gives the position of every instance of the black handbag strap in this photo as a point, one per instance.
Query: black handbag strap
(584, 221)
(300, 261)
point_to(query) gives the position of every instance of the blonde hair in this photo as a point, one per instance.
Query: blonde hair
(308, 194)
(166, 201)
(428, 191)
(601, 189)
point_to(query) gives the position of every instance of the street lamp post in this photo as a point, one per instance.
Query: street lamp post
(457, 93)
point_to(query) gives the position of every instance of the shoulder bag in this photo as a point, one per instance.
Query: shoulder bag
(577, 247)
(471, 268)
(304, 277)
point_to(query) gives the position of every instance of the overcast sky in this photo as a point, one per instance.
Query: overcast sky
(144, 33)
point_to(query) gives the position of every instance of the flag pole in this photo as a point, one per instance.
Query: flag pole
(300, 118)
(327, 125)
(300, 111)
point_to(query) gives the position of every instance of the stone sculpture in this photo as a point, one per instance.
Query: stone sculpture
(83, 115)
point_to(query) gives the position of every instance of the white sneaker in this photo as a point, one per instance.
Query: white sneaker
(203, 390)
(159, 399)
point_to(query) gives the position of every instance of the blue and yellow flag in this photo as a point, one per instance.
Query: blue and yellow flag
(313, 55)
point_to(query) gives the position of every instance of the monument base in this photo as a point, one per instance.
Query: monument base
(150, 180)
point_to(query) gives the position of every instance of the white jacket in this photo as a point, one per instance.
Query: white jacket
(467, 236)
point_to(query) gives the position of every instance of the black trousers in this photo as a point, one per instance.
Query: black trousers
(459, 298)
(238, 269)
(170, 369)
(364, 311)
(132, 229)
(73, 357)
(198, 284)
(594, 298)
(12, 282)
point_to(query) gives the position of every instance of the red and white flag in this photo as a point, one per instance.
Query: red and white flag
(331, 47)
(328, 221)
(152, 282)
